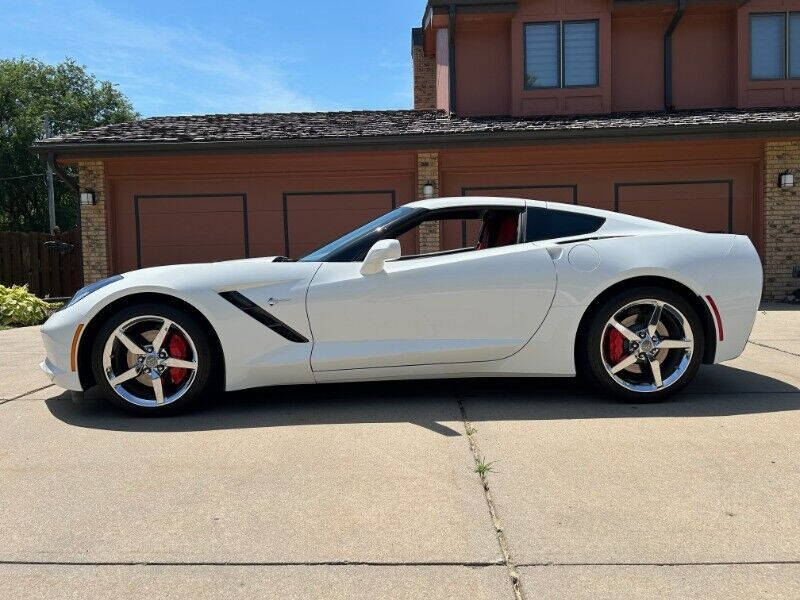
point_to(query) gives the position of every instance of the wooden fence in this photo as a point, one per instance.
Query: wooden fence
(50, 264)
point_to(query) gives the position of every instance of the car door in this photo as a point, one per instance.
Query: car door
(470, 306)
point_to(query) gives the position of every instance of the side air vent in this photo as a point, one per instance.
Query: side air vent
(259, 314)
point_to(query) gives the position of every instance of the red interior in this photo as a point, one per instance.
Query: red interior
(498, 230)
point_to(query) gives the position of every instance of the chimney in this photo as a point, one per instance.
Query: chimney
(424, 73)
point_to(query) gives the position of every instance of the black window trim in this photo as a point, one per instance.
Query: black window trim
(552, 212)
(560, 56)
(787, 38)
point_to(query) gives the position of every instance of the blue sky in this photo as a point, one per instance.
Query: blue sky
(210, 56)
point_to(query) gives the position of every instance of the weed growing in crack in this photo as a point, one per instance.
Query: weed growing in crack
(483, 468)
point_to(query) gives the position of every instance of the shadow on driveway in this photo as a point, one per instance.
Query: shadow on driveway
(716, 392)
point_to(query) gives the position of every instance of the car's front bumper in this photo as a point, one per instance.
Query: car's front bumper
(58, 334)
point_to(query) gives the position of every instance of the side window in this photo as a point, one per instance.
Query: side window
(548, 224)
(464, 230)
(767, 46)
(775, 45)
(561, 54)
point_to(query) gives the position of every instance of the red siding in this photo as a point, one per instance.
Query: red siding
(704, 61)
(482, 88)
(637, 59)
(710, 59)
(666, 180)
(200, 228)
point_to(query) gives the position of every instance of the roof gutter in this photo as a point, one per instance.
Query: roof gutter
(773, 129)
(680, 6)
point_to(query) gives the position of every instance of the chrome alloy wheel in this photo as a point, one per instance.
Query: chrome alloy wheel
(647, 345)
(150, 361)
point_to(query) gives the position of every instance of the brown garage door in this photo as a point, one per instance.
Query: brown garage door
(314, 219)
(701, 205)
(461, 234)
(190, 228)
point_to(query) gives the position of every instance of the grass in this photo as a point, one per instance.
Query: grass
(483, 468)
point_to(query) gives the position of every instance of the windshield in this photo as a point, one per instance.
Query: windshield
(322, 254)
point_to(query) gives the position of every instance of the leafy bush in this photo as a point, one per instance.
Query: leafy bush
(20, 307)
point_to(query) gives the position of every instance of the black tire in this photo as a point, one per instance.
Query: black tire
(591, 362)
(202, 380)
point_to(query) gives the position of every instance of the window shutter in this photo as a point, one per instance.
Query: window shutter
(794, 44)
(541, 55)
(580, 53)
(767, 35)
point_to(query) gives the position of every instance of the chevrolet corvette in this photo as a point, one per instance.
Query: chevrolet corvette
(632, 305)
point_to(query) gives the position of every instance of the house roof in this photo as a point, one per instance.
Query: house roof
(403, 128)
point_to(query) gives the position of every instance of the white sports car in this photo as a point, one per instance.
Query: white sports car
(546, 290)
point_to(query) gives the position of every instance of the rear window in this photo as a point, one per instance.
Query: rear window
(548, 224)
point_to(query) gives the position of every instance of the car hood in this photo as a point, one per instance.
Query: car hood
(220, 276)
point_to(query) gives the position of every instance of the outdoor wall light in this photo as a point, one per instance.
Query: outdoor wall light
(786, 180)
(87, 198)
(427, 190)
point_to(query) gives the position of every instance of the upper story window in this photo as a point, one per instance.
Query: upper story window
(774, 45)
(561, 54)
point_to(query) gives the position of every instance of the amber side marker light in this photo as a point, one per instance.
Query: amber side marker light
(73, 353)
(716, 316)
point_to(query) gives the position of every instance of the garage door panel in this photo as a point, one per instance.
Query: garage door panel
(192, 228)
(190, 204)
(313, 220)
(265, 227)
(184, 229)
(267, 249)
(153, 256)
(670, 192)
(354, 202)
(560, 193)
(700, 206)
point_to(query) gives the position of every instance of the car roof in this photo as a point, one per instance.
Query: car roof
(466, 201)
(615, 220)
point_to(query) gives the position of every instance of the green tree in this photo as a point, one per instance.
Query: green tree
(75, 100)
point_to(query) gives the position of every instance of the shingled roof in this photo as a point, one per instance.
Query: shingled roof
(403, 127)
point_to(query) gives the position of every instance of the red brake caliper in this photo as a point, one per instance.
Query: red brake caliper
(614, 346)
(177, 348)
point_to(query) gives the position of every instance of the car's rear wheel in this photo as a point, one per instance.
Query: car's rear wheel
(152, 359)
(643, 344)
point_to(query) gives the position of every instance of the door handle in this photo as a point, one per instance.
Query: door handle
(274, 301)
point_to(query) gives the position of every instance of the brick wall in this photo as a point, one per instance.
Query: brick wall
(781, 220)
(424, 74)
(428, 172)
(93, 222)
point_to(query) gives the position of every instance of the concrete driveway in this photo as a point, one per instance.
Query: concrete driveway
(370, 491)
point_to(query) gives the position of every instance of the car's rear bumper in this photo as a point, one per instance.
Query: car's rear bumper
(735, 292)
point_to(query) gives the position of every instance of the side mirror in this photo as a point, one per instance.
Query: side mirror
(380, 252)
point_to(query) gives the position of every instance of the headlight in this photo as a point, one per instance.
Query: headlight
(92, 287)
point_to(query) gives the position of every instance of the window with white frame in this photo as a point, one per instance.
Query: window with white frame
(775, 45)
(561, 54)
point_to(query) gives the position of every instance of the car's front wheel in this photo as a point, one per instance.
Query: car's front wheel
(643, 344)
(152, 359)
